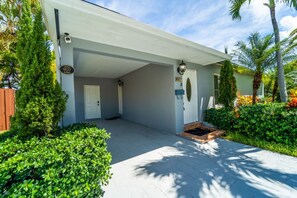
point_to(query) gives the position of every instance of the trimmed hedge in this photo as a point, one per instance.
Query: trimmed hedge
(222, 118)
(74, 162)
(270, 122)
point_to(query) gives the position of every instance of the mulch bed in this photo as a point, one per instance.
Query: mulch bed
(113, 118)
(199, 131)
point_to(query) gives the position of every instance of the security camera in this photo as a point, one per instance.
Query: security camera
(67, 38)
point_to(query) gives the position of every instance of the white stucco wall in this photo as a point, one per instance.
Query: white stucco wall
(148, 97)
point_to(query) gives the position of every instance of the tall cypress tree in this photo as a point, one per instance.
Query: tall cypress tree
(227, 85)
(40, 102)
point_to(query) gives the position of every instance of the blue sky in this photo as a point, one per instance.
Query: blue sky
(205, 21)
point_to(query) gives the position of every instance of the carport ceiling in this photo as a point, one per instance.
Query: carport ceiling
(88, 64)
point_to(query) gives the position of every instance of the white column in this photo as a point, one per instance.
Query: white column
(67, 82)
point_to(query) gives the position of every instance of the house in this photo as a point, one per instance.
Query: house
(127, 68)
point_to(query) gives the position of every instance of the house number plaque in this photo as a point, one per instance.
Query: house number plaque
(67, 69)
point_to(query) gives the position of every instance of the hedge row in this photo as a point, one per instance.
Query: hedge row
(72, 163)
(270, 122)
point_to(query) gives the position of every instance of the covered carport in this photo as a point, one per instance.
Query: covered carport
(104, 47)
(134, 89)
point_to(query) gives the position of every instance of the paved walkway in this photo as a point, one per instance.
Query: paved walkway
(149, 163)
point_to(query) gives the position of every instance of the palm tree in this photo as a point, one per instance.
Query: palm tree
(258, 55)
(288, 46)
(236, 5)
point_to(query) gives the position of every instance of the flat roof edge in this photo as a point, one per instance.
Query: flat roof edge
(117, 17)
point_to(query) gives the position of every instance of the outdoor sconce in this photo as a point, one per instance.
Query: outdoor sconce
(182, 68)
(67, 38)
(120, 83)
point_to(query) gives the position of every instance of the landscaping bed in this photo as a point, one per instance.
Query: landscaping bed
(271, 124)
(199, 132)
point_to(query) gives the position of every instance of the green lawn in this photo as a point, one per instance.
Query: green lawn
(274, 147)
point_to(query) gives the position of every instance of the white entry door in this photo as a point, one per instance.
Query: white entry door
(92, 101)
(190, 97)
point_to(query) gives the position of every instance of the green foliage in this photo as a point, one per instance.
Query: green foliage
(293, 39)
(269, 80)
(223, 118)
(40, 101)
(10, 10)
(291, 75)
(227, 85)
(9, 67)
(72, 163)
(270, 122)
(242, 70)
(236, 6)
(258, 55)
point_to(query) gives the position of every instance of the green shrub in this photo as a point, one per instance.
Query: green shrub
(40, 101)
(270, 122)
(222, 118)
(74, 162)
(227, 85)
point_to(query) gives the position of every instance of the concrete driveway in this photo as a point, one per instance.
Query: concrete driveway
(150, 163)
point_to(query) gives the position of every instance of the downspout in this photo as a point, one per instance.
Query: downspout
(57, 21)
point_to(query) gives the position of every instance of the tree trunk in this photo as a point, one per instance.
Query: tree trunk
(256, 84)
(275, 86)
(8, 81)
(280, 68)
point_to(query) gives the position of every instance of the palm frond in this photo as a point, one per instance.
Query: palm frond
(235, 7)
(290, 58)
(257, 54)
(290, 3)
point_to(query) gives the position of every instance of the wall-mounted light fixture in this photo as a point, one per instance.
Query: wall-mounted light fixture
(67, 37)
(182, 68)
(120, 83)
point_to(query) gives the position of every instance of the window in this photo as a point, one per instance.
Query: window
(189, 89)
(216, 88)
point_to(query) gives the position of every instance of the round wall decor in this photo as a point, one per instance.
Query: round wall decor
(67, 69)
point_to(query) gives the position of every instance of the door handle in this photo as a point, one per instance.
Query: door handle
(98, 103)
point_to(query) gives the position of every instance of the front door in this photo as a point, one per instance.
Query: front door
(190, 97)
(92, 101)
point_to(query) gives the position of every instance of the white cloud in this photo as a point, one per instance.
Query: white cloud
(257, 11)
(287, 24)
(222, 31)
(206, 22)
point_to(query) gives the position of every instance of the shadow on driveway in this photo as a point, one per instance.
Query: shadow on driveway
(225, 169)
(150, 163)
